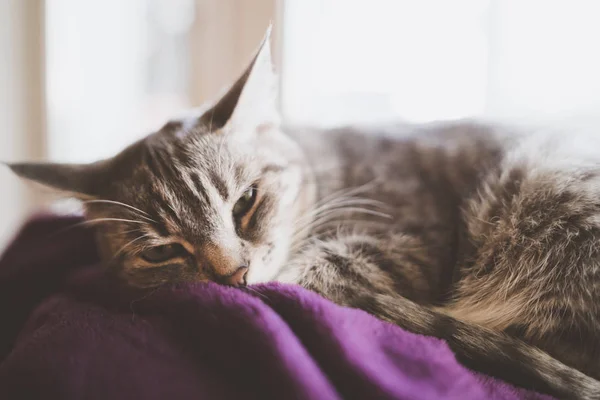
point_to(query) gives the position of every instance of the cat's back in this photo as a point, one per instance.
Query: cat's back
(435, 157)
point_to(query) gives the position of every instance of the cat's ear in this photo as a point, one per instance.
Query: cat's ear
(78, 180)
(251, 101)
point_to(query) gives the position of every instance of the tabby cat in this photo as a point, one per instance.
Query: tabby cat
(482, 235)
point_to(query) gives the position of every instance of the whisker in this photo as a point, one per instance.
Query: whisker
(334, 204)
(93, 221)
(256, 292)
(317, 229)
(67, 228)
(332, 214)
(343, 200)
(298, 241)
(345, 195)
(129, 244)
(120, 204)
(128, 231)
(341, 204)
(329, 208)
(348, 192)
(145, 296)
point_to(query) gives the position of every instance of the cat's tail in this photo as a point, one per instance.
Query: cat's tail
(484, 350)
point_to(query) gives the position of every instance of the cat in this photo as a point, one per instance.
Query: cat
(480, 234)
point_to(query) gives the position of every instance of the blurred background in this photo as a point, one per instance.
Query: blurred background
(80, 79)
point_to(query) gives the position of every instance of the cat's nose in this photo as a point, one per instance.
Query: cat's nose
(224, 264)
(238, 278)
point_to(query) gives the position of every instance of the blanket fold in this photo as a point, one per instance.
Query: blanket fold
(71, 332)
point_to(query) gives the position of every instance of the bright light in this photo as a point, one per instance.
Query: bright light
(357, 60)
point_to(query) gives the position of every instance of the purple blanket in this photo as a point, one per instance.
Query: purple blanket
(68, 332)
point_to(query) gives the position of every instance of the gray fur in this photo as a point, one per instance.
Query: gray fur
(478, 234)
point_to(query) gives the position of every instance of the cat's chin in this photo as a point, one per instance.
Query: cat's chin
(262, 273)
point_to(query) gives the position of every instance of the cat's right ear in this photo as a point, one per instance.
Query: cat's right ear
(78, 180)
(251, 100)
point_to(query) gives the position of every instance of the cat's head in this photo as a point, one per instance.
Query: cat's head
(214, 196)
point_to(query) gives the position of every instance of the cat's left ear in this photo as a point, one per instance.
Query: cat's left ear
(83, 181)
(252, 100)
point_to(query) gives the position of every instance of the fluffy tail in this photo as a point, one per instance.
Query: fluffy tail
(484, 350)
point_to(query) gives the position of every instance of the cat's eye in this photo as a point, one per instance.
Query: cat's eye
(163, 253)
(245, 203)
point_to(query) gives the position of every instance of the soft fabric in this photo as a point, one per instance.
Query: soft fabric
(70, 332)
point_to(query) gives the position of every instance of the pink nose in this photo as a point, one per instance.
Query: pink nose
(238, 278)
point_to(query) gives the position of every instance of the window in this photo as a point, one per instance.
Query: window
(357, 60)
(115, 71)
